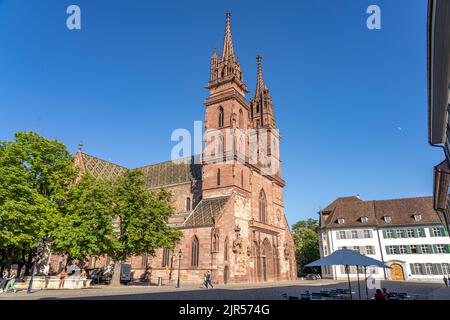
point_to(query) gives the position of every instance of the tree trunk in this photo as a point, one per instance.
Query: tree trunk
(115, 281)
(29, 263)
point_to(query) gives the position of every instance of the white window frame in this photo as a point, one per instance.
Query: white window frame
(354, 234)
(417, 268)
(387, 219)
(437, 232)
(446, 268)
(440, 248)
(402, 249)
(414, 247)
(389, 234)
(425, 249)
(418, 217)
(342, 235)
(370, 250)
(427, 270)
(399, 233)
(364, 219)
(367, 234)
(410, 233)
(341, 221)
(391, 250)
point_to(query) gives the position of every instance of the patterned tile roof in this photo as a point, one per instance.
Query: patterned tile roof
(100, 168)
(206, 211)
(157, 175)
(172, 172)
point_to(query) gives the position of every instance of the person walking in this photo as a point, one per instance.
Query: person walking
(11, 282)
(208, 279)
(446, 281)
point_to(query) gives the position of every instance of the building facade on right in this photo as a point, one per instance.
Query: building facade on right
(438, 49)
(406, 234)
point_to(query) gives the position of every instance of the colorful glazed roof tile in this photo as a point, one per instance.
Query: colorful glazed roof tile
(205, 212)
(100, 168)
(158, 175)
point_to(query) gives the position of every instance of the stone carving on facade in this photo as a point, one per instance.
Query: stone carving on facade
(249, 251)
(287, 252)
(237, 243)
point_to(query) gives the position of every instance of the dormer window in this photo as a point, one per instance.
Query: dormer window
(387, 219)
(341, 221)
(364, 219)
(418, 217)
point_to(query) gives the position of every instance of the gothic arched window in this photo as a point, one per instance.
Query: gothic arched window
(188, 204)
(221, 117)
(195, 248)
(262, 206)
(218, 177)
(165, 257)
(225, 249)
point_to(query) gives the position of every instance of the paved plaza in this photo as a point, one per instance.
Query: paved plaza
(264, 291)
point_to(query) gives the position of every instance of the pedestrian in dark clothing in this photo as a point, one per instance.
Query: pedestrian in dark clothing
(4, 279)
(446, 281)
(208, 279)
(379, 295)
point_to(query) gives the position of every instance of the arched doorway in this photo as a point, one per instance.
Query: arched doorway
(225, 275)
(397, 272)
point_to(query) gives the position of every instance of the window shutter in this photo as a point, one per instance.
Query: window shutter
(408, 249)
(405, 234)
(431, 232)
(397, 249)
(435, 250)
(415, 233)
(419, 249)
(430, 248)
(438, 268)
(387, 250)
(444, 232)
(384, 234)
(360, 234)
(422, 232)
(447, 248)
(422, 268)
(394, 233)
(338, 235)
(411, 266)
(348, 234)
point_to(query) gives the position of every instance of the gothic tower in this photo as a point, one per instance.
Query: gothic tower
(226, 121)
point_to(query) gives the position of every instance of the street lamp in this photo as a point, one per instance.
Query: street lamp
(179, 267)
(38, 249)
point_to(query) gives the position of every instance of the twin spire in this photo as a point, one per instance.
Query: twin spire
(227, 67)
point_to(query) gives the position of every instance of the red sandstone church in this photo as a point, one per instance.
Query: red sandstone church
(231, 214)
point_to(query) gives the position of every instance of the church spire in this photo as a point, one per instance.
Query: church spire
(227, 50)
(227, 68)
(259, 82)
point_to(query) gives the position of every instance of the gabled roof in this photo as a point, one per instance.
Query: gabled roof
(206, 212)
(157, 175)
(401, 211)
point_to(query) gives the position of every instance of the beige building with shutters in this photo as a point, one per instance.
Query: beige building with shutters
(406, 234)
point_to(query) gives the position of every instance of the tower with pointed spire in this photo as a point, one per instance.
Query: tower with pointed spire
(261, 107)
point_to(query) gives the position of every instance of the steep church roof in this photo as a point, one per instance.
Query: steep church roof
(156, 176)
(206, 212)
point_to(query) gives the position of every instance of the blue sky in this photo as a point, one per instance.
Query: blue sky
(350, 102)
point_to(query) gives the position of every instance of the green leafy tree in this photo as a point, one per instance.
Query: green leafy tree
(141, 220)
(307, 243)
(35, 173)
(84, 227)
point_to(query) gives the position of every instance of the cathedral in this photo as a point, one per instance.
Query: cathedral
(229, 209)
